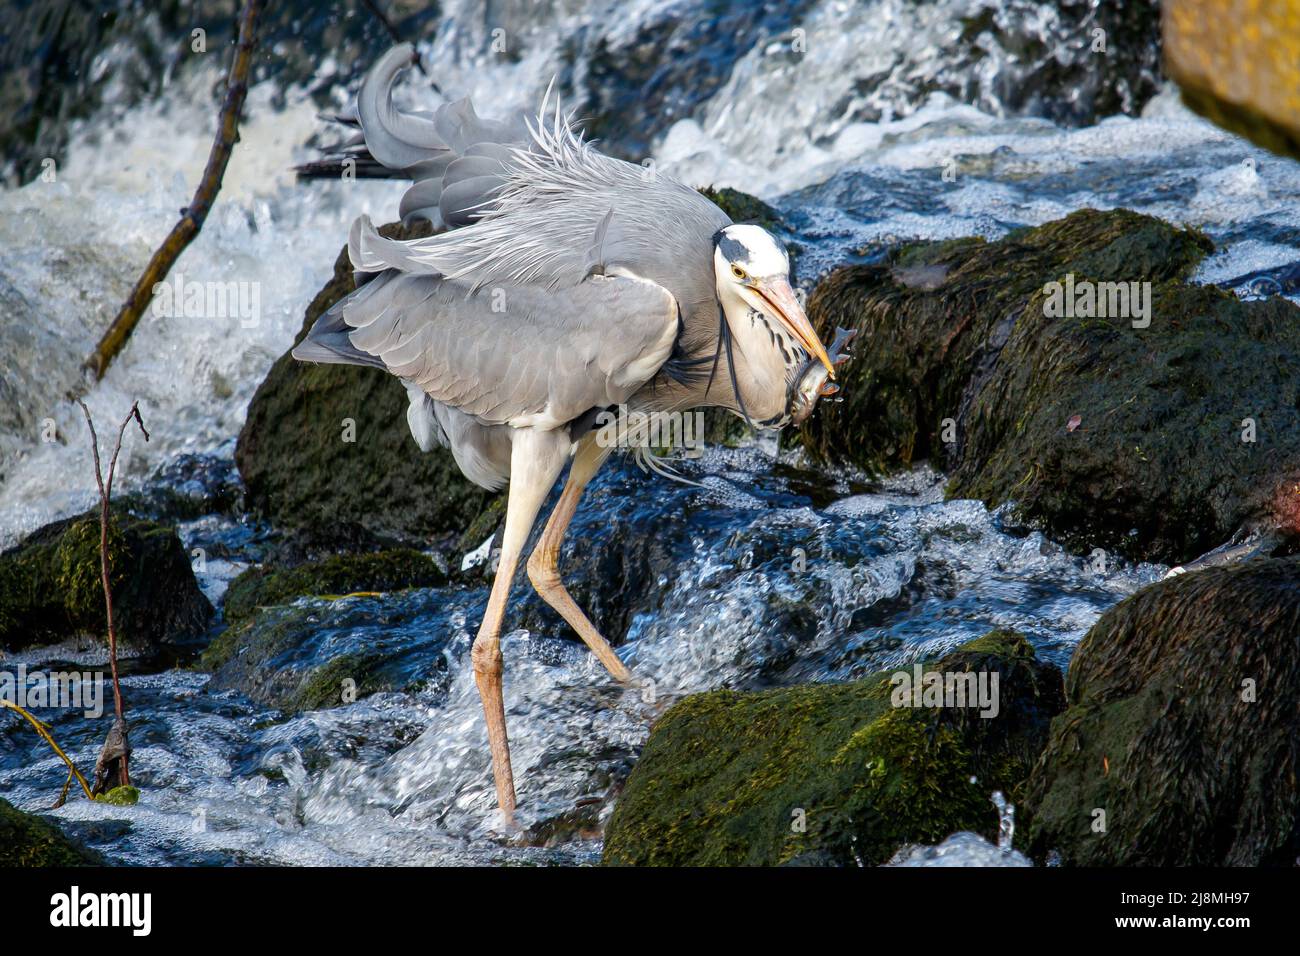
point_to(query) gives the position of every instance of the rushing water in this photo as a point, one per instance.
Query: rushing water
(889, 571)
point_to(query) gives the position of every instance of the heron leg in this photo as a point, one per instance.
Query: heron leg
(543, 564)
(536, 460)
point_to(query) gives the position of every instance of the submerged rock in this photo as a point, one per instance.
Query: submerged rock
(392, 570)
(189, 486)
(51, 590)
(325, 651)
(1157, 442)
(27, 840)
(1181, 742)
(301, 471)
(833, 773)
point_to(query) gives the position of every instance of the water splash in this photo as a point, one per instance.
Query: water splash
(1006, 820)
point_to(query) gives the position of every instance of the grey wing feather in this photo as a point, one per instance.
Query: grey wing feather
(525, 200)
(522, 355)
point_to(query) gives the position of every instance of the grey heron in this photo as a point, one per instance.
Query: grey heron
(566, 283)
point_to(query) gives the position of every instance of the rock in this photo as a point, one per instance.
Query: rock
(832, 773)
(378, 490)
(120, 797)
(1072, 61)
(1182, 728)
(50, 587)
(742, 207)
(55, 74)
(1238, 78)
(189, 486)
(27, 840)
(339, 574)
(325, 652)
(635, 83)
(1107, 436)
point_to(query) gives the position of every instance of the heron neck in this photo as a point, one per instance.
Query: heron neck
(760, 373)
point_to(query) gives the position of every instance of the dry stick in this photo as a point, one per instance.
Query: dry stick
(105, 495)
(44, 730)
(194, 215)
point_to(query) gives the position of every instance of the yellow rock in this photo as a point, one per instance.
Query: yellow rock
(1238, 64)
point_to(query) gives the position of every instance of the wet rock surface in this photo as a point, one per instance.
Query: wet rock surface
(1156, 442)
(336, 575)
(1179, 745)
(51, 589)
(832, 774)
(324, 652)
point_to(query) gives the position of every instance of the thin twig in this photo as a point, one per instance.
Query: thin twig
(44, 730)
(194, 215)
(105, 497)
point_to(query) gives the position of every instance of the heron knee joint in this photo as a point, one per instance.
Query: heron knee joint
(543, 572)
(486, 657)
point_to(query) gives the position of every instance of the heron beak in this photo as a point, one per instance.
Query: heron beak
(780, 299)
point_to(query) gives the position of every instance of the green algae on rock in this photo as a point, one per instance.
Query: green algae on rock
(27, 840)
(51, 590)
(1155, 442)
(120, 797)
(1179, 745)
(300, 472)
(832, 773)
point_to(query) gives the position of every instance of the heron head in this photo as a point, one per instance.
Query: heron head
(752, 273)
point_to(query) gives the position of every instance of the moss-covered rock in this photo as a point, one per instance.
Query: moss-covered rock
(1107, 436)
(27, 840)
(742, 207)
(283, 655)
(1182, 736)
(299, 472)
(391, 570)
(50, 585)
(832, 773)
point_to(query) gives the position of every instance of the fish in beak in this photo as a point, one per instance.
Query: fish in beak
(812, 383)
(780, 299)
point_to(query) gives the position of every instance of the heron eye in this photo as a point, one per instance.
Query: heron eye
(738, 272)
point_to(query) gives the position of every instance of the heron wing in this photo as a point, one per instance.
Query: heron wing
(522, 355)
(528, 201)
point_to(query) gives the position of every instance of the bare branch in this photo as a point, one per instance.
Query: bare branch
(194, 215)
